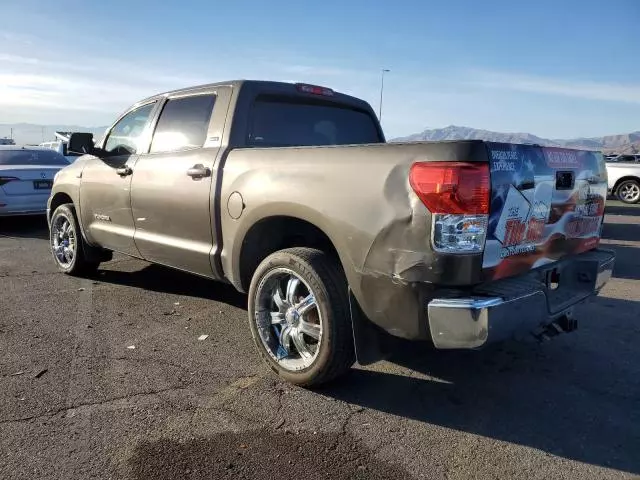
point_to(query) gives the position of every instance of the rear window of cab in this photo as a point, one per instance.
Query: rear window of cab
(24, 156)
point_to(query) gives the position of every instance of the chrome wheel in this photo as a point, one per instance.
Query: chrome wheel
(63, 240)
(288, 320)
(629, 192)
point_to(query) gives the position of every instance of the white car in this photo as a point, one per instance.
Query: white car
(624, 177)
(26, 176)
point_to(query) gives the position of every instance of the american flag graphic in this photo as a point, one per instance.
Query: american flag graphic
(546, 203)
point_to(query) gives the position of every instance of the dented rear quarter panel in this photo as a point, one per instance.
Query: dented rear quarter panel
(360, 197)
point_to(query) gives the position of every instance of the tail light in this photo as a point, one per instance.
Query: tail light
(5, 180)
(314, 90)
(457, 194)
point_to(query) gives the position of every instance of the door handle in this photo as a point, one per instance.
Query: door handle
(199, 171)
(124, 171)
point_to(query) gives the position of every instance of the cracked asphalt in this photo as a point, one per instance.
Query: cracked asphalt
(106, 378)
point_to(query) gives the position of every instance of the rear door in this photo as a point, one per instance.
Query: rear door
(105, 194)
(546, 203)
(172, 187)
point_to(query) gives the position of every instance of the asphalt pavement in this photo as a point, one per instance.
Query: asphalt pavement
(108, 377)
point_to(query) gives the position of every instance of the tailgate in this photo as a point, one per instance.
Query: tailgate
(546, 203)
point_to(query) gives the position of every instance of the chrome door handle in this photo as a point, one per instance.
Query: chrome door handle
(124, 171)
(199, 171)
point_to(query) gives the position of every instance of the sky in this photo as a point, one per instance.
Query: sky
(557, 69)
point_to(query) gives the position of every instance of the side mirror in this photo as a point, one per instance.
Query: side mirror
(80, 143)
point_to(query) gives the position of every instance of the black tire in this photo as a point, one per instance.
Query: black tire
(326, 281)
(83, 262)
(625, 190)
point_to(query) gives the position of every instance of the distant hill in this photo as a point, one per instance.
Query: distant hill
(626, 143)
(29, 133)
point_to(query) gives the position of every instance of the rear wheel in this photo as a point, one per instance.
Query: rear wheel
(299, 316)
(69, 250)
(629, 191)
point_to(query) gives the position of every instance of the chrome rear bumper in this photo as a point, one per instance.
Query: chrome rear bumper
(528, 305)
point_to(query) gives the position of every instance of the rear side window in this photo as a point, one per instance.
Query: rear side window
(43, 157)
(282, 122)
(183, 124)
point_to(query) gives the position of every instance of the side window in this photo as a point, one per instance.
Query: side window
(125, 135)
(183, 124)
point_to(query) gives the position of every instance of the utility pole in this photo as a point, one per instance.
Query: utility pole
(384, 70)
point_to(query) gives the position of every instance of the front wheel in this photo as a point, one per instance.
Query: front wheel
(69, 250)
(629, 191)
(299, 316)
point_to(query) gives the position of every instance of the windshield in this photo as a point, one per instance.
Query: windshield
(32, 157)
(286, 122)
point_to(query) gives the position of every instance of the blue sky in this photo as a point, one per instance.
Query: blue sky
(560, 68)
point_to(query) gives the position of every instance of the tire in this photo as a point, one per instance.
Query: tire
(78, 262)
(629, 191)
(320, 278)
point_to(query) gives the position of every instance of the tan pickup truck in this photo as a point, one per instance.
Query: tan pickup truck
(289, 192)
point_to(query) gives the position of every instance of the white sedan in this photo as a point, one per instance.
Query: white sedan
(26, 176)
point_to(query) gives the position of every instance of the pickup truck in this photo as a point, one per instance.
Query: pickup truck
(624, 177)
(290, 193)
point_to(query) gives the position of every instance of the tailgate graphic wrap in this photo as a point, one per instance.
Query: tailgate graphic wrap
(546, 203)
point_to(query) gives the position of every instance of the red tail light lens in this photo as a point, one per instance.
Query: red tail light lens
(5, 180)
(452, 187)
(314, 89)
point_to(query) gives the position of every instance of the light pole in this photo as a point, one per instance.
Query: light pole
(384, 70)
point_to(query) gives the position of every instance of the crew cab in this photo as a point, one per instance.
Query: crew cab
(290, 193)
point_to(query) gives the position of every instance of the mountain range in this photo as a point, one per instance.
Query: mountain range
(28, 133)
(32, 134)
(624, 143)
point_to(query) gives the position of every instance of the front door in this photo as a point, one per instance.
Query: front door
(172, 187)
(105, 193)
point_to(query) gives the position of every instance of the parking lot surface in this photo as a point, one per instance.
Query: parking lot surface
(107, 378)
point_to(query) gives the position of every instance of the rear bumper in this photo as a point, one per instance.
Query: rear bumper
(502, 309)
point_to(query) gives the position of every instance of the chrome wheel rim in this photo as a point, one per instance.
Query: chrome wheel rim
(630, 192)
(288, 319)
(63, 240)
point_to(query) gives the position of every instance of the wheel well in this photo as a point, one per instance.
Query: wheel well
(277, 233)
(57, 200)
(624, 179)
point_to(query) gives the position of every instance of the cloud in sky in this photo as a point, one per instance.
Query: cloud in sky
(39, 89)
(612, 92)
(95, 85)
(30, 85)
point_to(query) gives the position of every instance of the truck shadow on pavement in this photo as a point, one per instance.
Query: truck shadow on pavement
(260, 455)
(620, 208)
(33, 226)
(626, 261)
(157, 278)
(621, 231)
(576, 397)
